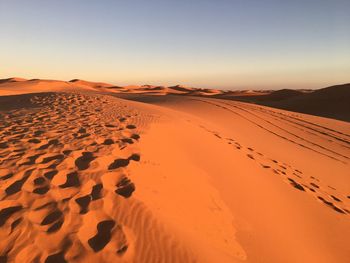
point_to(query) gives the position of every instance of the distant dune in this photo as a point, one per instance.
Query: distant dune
(8, 80)
(280, 95)
(91, 84)
(332, 102)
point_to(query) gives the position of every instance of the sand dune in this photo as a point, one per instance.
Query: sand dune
(14, 86)
(32, 86)
(10, 86)
(89, 177)
(332, 102)
(80, 82)
(9, 80)
(65, 180)
(284, 176)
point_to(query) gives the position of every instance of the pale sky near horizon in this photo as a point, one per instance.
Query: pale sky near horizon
(201, 43)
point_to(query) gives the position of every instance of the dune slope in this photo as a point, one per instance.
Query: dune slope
(284, 177)
(66, 193)
(331, 102)
(90, 177)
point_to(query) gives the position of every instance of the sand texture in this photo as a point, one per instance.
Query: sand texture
(93, 175)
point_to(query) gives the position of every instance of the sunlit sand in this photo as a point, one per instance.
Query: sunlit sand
(91, 172)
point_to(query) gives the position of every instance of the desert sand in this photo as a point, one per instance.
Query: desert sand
(92, 172)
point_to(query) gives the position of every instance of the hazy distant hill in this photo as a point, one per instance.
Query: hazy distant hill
(332, 102)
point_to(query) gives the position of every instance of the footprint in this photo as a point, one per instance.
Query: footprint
(297, 175)
(34, 141)
(83, 202)
(31, 160)
(121, 251)
(52, 217)
(127, 140)
(217, 135)
(41, 190)
(56, 226)
(330, 204)
(130, 126)
(135, 157)
(96, 191)
(111, 126)
(58, 157)
(250, 156)
(51, 142)
(50, 174)
(118, 163)
(15, 224)
(335, 198)
(6, 176)
(103, 236)
(314, 185)
(311, 189)
(39, 181)
(38, 133)
(135, 136)
(83, 135)
(7, 212)
(83, 162)
(82, 130)
(108, 142)
(314, 178)
(3, 145)
(67, 152)
(72, 180)
(296, 185)
(56, 258)
(16, 186)
(283, 172)
(125, 187)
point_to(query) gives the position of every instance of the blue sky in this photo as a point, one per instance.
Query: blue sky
(218, 44)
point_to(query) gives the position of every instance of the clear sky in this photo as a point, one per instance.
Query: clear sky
(201, 43)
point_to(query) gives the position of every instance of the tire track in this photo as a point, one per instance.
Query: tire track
(297, 136)
(295, 121)
(303, 128)
(272, 132)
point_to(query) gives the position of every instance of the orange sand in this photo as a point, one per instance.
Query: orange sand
(89, 177)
